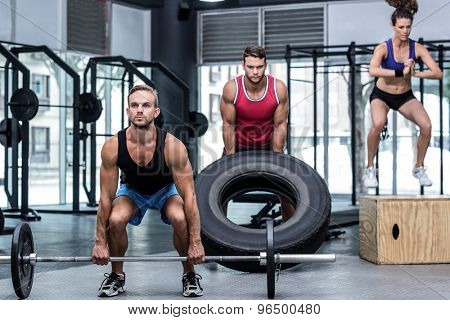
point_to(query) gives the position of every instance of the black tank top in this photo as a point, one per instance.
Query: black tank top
(149, 179)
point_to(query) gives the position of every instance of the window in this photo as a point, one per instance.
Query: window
(92, 15)
(40, 144)
(2, 81)
(233, 72)
(292, 25)
(214, 74)
(214, 107)
(2, 89)
(224, 34)
(40, 85)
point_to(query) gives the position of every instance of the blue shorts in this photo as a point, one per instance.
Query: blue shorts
(145, 202)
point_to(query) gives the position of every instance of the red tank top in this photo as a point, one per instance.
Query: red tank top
(254, 118)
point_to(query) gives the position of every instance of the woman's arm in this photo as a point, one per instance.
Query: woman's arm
(434, 72)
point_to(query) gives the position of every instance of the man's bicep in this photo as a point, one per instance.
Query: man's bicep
(227, 108)
(281, 112)
(227, 111)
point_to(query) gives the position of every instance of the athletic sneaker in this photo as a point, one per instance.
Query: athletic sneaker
(420, 173)
(191, 285)
(370, 178)
(112, 285)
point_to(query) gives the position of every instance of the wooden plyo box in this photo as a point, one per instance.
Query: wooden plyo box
(404, 229)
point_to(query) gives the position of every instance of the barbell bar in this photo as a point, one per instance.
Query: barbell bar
(34, 259)
(64, 106)
(23, 259)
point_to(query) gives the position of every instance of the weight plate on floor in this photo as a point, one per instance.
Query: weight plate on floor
(271, 266)
(22, 272)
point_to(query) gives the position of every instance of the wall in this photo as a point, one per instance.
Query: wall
(174, 44)
(41, 22)
(25, 21)
(5, 20)
(368, 22)
(130, 32)
(44, 22)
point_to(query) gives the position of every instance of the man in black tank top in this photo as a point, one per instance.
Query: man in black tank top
(156, 173)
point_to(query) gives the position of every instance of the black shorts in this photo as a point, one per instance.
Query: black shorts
(393, 101)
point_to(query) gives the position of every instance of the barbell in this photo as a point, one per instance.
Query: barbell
(23, 259)
(25, 104)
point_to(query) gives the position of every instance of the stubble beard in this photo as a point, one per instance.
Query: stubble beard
(144, 126)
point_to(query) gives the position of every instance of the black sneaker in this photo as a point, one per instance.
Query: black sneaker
(112, 285)
(191, 285)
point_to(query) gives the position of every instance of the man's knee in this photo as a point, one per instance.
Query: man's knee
(118, 221)
(177, 218)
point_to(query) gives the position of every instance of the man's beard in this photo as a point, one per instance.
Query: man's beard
(142, 126)
(256, 82)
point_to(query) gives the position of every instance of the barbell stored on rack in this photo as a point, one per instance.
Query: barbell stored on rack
(23, 259)
(25, 104)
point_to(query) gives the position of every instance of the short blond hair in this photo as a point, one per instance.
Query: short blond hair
(144, 87)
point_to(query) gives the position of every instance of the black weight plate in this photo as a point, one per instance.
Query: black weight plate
(198, 124)
(5, 132)
(90, 107)
(22, 273)
(271, 266)
(24, 104)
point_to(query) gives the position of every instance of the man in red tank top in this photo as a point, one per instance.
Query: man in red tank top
(254, 109)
